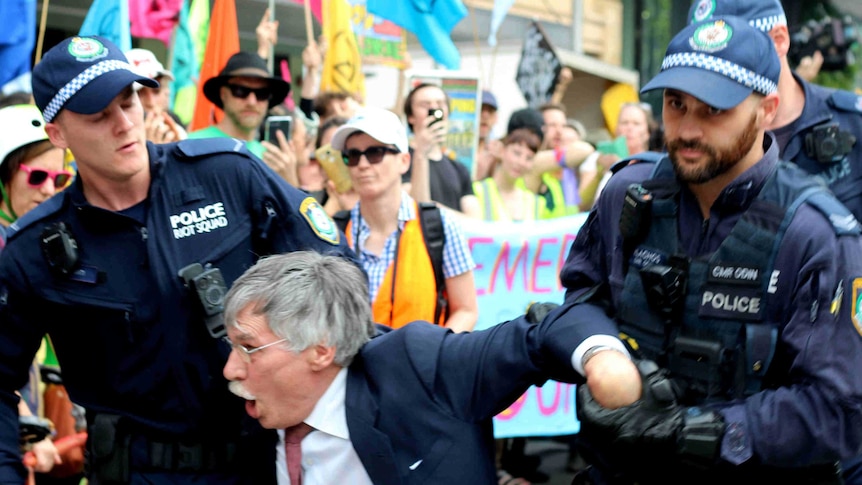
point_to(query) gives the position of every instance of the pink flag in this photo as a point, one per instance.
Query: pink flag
(154, 19)
(285, 74)
(315, 8)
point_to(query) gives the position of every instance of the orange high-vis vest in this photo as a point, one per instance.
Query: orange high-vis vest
(408, 291)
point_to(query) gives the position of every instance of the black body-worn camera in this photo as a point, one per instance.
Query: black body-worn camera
(208, 285)
(828, 143)
(59, 248)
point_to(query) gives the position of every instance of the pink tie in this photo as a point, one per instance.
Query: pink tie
(293, 449)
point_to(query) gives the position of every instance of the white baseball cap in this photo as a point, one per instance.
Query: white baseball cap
(380, 124)
(146, 64)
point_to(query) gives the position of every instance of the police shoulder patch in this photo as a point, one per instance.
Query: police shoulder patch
(194, 148)
(856, 304)
(846, 101)
(319, 221)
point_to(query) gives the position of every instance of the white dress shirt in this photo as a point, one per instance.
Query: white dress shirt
(327, 452)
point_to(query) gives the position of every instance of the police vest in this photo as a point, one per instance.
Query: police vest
(712, 334)
(408, 291)
(492, 205)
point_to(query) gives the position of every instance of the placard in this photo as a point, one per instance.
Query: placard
(539, 67)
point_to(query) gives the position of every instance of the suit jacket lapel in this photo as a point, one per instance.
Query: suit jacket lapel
(373, 447)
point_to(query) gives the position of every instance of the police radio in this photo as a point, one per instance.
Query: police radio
(59, 248)
(209, 288)
(635, 216)
(828, 143)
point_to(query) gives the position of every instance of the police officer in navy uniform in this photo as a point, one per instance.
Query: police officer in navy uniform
(817, 128)
(720, 291)
(126, 270)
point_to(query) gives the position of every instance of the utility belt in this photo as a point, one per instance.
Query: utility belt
(114, 451)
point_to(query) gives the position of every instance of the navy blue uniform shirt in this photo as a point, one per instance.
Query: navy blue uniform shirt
(130, 337)
(815, 416)
(824, 105)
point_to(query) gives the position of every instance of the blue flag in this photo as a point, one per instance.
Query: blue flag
(501, 8)
(431, 21)
(17, 40)
(109, 19)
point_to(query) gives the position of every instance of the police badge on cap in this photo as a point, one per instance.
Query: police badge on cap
(702, 11)
(87, 49)
(711, 37)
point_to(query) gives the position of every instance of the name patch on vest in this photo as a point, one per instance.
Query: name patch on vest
(731, 274)
(732, 303)
(643, 257)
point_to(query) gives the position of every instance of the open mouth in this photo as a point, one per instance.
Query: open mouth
(250, 401)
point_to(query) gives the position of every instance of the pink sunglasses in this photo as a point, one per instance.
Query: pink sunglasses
(36, 177)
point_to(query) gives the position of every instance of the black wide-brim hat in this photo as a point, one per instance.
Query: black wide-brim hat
(245, 64)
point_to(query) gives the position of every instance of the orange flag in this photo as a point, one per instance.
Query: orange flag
(223, 42)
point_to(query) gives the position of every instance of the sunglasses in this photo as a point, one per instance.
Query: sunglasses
(374, 155)
(242, 92)
(36, 177)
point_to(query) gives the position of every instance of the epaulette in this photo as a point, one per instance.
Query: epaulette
(41, 211)
(846, 101)
(651, 157)
(839, 217)
(202, 147)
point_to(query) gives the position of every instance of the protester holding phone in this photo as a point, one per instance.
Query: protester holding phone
(245, 91)
(434, 174)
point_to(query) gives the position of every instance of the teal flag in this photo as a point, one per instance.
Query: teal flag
(184, 62)
(431, 21)
(109, 19)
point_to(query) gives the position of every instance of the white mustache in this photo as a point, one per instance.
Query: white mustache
(237, 388)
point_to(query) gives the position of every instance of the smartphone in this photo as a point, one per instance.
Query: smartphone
(331, 162)
(437, 113)
(277, 123)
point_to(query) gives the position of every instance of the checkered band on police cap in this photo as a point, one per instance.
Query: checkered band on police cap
(726, 68)
(79, 82)
(760, 14)
(720, 61)
(82, 74)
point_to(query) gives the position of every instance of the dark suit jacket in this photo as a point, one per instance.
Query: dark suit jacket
(424, 393)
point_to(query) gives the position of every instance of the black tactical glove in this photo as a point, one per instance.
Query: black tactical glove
(655, 420)
(537, 311)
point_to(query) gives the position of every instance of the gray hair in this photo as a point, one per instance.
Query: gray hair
(309, 299)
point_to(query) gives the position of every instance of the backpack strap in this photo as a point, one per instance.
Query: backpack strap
(431, 222)
(341, 218)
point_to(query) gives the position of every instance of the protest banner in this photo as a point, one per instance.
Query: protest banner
(516, 264)
(380, 41)
(464, 94)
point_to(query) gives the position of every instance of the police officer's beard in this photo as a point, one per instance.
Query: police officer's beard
(718, 162)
